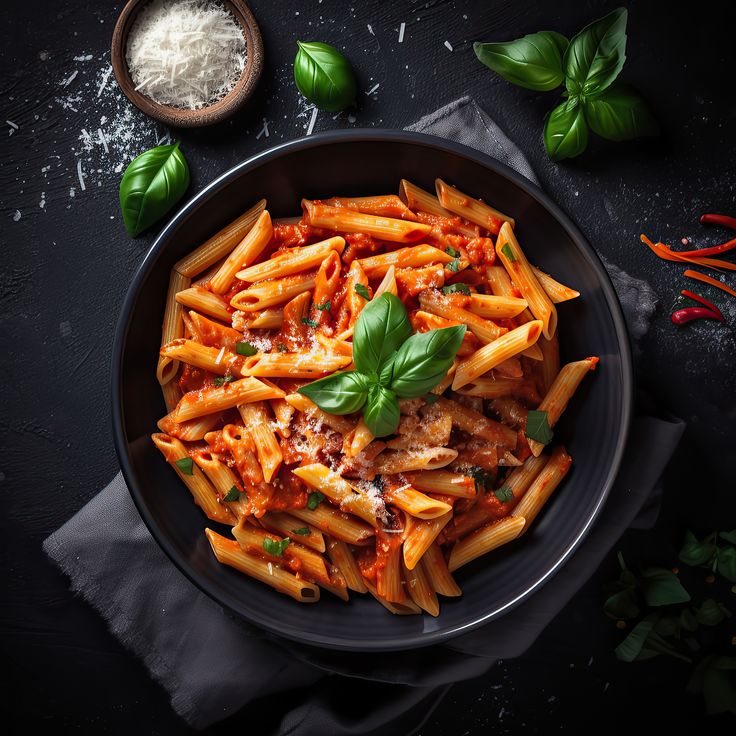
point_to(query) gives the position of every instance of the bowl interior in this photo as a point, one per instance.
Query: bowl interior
(594, 427)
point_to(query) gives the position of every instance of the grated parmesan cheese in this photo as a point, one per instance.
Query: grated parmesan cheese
(186, 53)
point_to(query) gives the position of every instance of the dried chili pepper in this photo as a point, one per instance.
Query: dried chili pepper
(696, 297)
(712, 251)
(724, 220)
(683, 316)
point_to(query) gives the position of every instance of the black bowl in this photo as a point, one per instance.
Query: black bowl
(594, 428)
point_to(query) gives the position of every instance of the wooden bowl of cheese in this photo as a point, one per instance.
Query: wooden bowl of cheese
(187, 64)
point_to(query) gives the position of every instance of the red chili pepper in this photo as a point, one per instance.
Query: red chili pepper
(712, 251)
(713, 308)
(724, 220)
(683, 316)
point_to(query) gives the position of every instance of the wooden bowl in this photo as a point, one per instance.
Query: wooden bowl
(182, 117)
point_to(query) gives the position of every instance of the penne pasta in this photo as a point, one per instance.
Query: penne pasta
(288, 526)
(215, 360)
(419, 536)
(269, 293)
(438, 573)
(201, 300)
(402, 461)
(556, 291)
(293, 365)
(489, 306)
(335, 524)
(173, 326)
(384, 205)
(343, 558)
(257, 421)
(485, 330)
(472, 210)
(444, 482)
(483, 540)
(376, 267)
(420, 589)
(416, 503)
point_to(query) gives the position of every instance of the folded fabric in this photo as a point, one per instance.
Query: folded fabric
(213, 664)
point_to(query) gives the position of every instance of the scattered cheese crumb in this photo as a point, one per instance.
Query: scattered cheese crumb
(312, 121)
(70, 78)
(402, 28)
(12, 124)
(449, 45)
(370, 30)
(16, 216)
(80, 174)
(373, 89)
(264, 129)
(103, 83)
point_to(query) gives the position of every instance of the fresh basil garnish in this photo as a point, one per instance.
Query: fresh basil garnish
(456, 289)
(220, 380)
(506, 250)
(232, 495)
(565, 130)
(381, 327)
(362, 290)
(620, 114)
(504, 495)
(245, 348)
(186, 465)
(323, 75)
(315, 499)
(340, 393)
(309, 322)
(430, 398)
(151, 185)
(452, 252)
(382, 413)
(533, 62)
(537, 427)
(275, 548)
(302, 531)
(326, 306)
(453, 265)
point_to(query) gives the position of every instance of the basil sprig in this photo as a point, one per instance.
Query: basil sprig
(323, 75)
(151, 185)
(588, 66)
(391, 363)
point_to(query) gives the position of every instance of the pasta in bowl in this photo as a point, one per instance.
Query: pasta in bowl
(365, 394)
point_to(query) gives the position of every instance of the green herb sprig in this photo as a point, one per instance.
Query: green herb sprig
(587, 65)
(323, 75)
(391, 363)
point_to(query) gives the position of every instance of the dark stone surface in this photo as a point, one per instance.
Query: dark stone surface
(71, 261)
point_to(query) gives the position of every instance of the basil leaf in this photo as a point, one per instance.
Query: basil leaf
(424, 359)
(232, 495)
(630, 648)
(323, 75)
(302, 531)
(361, 290)
(452, 252)
(381, 413)
(275, 548)
(694, 552)
(380, 329)
(622, 605)
(481, 478)
(314, 500)
(186, 465)
(534, 61)
(151, 185)
(340, 393)
(245, 348)
(506, 250)
(620, 114)
(729, 536)
(711, 613)
(453, 265)
(310, 322)
(456, 289)
(596, 55)
(504, 495)
(326, 306)
(220, 380)
(727, 563)
(537, 427)
(565, 130)
(688, 620)
(662, 587)
(386, 373)
(431, 398)
(715, 677)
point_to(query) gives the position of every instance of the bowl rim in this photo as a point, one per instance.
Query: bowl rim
(218, 111)
(421, 639)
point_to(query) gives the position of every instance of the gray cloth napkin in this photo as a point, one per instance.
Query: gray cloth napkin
(213, 664)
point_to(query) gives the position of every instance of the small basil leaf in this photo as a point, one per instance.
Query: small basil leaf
(537, 427)
(381, 413)
(620, 114)
(379, 331)
(362, 290)
(424, 359)
(695, 552)
(302, 531)
(245, 348)
(505, 494)
(715, 677)
(275, 548)
(314, 500)
(565, 131)
(151, 185)
(729, 536)
(232, 495)
(688, 620)
(630, 648)
(456, 289)
(596, 55)
(323, 75)
(340, 393)
(534, 61)
(711, 613)
(186, 465)
(662, 587)
(727, 563)
(623, 604)
(386, 373)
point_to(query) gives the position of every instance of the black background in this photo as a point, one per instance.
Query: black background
(71, 261)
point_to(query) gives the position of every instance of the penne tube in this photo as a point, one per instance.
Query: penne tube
(172, 395)
(495, 353)
(388, 283)
(335, 524)
(550, 360)
(219, 245)
(353, 302)
(335, 347)
(288, 526)
(223, 480)
(247, 250)
(490, 306)
(543, 486)
(347, 221)
(228, 396)
(347, 497)
(201, 489)
(556, 291)
(229, 552)
(477, 424)
(560, 392)
(292, 261)
(438, 573)
(439, 304)
(389, 584)
(406, 608)
(294, 365)
(214, 360)
(402, 461)
(420, 589)
(419, 536)
(491, 387)
(357, 439)
(173, 326)
(305, 405)
(342, 557)
(412, 257)
(326, 284)
(470, 209)
(485, 539)
(270, 293)
(512, 256)
(383, 205)
(283, 411)
(191, 431)
(267, 319)
(444, 482)
(416, 503)
(204, 301)
(257, 421)
(419, 199)
(212, 334)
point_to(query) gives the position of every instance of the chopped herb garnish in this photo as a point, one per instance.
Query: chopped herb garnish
(453, 265)
(232, 495)
(456, 289)
(302, 531)
(186, 465)
(452, 252)
(219, 380)
(282, 348)
(326, 306)
(506, 250)
(537, 427)
(245, 348)
(504, 494)
(481, 477)
(361, 290)
(431, 398)
(275, 548)
(314, 500)
(310, 322)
